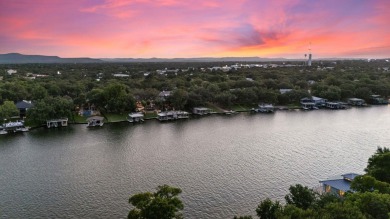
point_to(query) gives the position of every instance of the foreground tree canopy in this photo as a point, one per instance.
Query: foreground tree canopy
(163, 204)
(371, 200)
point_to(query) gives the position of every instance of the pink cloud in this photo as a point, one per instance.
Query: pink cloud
(173, 28)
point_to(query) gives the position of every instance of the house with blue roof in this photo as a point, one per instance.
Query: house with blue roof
(338, 185)
(23, 106)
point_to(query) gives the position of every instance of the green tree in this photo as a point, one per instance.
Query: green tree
(243, 217)
(379, 165)
(268, 209)
(325, 199)
(163, 204)
(368, 183)
(300, 196)
(340, 210)
(371, 204)
(178, 98)
(50, 108)
(116, 99)
(7, 110)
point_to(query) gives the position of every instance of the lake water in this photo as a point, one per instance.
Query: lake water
(225, 165)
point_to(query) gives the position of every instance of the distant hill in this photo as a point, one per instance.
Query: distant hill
(16, 58)
(204, 59)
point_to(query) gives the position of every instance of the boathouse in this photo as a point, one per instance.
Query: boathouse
(264, 108)
(172, 115)
(356, 102)
(334, 105)
(95, 121)
(338, 185)
(135, 117)
(201, 111)
(54, 123)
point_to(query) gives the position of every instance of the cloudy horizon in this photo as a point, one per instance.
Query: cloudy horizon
(188, 29)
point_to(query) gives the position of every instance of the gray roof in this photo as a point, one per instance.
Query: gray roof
(24, 104)
(317, 98)
(355, 99)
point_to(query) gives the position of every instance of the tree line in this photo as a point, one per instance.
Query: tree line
(193, 85)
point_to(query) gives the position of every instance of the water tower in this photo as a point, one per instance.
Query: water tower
(310, 56)
(309, 59)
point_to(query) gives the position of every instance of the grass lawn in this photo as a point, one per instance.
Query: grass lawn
(293, 106)
(150, 115)
(215, 108)
(241, 108)
(116, 117)
(79, 119)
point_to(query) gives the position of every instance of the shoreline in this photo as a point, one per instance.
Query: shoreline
(277, 108)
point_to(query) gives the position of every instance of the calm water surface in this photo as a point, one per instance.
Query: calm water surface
(225, 165)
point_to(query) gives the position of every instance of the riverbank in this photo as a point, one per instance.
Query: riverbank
(122, 118)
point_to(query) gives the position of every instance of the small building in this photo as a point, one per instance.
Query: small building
(378, 100)
(308, 106)
(201, 111)
(55, 123)
(163, 95)
(316, 101)
(95, 121)
(334, 105)
(356, 102)
(14, 127)
(338, 185)
(23, 106)
(135, 117)
(283, 91)
(264, 108)
(172, 115)
(120, 75)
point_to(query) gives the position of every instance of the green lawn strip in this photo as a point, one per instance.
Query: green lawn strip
(215, 108)
(241, 108)
(150, 115)
(79, 119)
(294, 106)
(112, 117)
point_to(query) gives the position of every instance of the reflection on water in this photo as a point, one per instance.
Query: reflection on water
(224, 164)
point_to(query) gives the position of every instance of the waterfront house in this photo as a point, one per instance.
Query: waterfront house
(313, 102)
(338, 185)
(23, 106)
(95, 121)
(201, 111)
(135, 117)
(54, 123)
(356, 102)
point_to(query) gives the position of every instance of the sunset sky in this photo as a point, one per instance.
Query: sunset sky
(196, 28)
